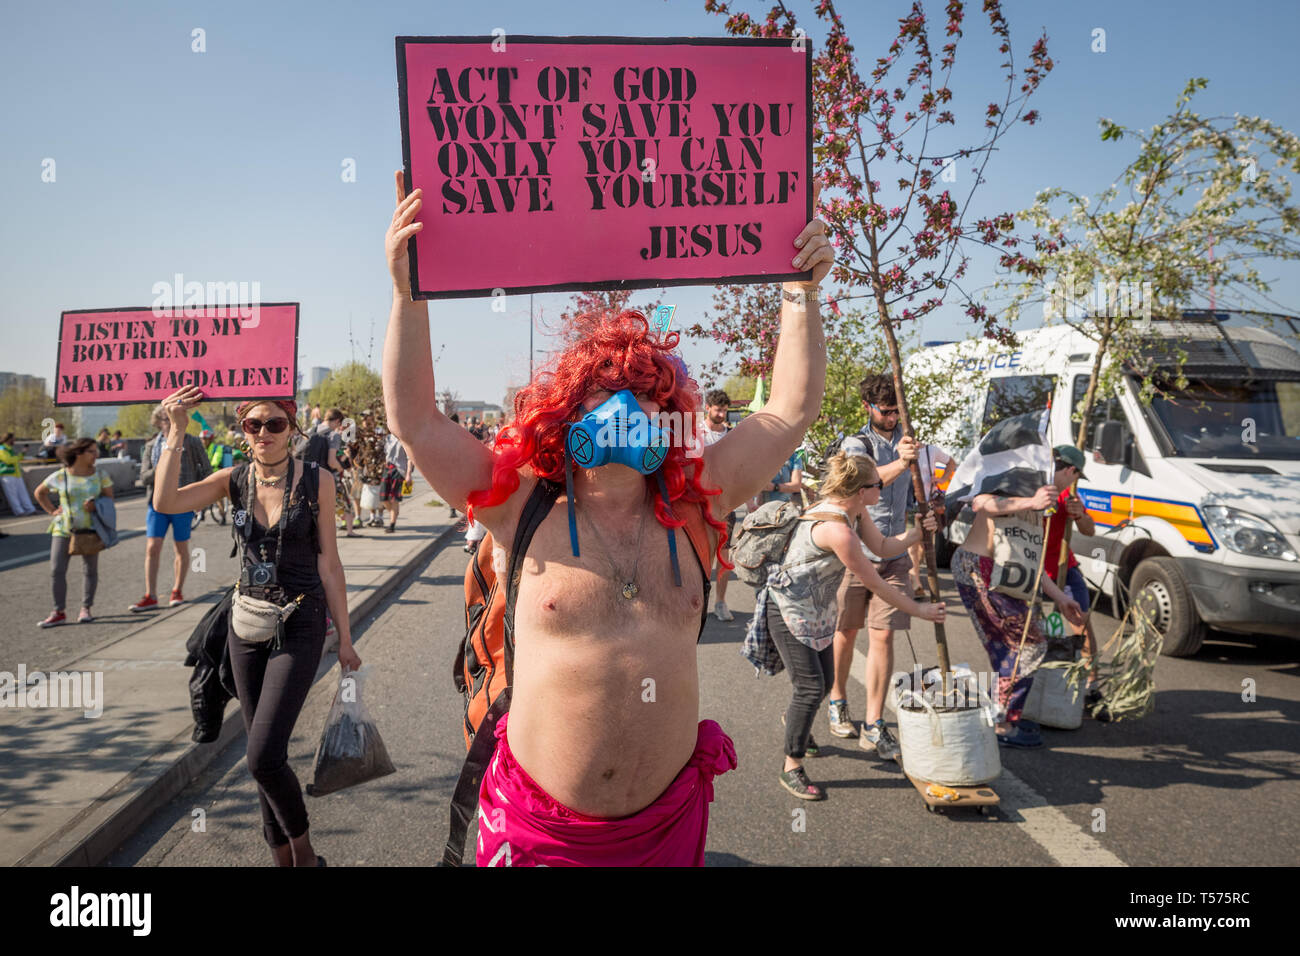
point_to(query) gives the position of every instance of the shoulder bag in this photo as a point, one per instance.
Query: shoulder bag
(80, 541)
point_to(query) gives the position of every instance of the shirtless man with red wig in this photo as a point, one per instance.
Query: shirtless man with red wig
(591, 771)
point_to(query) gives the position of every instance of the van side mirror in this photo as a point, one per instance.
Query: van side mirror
(1112, 442)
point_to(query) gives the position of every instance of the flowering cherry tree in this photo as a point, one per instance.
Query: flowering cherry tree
(1204, 203)
(902, 227)
(604, 302)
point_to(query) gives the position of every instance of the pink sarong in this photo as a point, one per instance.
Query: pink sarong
(520, 824)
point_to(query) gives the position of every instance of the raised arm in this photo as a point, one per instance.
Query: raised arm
(745, 461)
(848, 548)
(167, 498)
(894, 545)
(454, 461)
(1002, 505)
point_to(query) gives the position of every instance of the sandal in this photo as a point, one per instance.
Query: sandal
(797, 782)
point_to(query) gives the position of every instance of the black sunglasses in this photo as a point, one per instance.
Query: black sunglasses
(273, 425)
(875, 484)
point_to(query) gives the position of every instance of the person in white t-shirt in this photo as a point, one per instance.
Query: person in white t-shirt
(713, 429)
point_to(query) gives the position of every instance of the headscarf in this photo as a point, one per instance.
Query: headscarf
(287, 405)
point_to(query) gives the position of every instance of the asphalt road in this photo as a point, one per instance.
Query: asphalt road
(1197, 783)
(25, 595)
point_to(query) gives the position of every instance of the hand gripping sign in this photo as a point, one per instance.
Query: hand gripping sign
(569, 163)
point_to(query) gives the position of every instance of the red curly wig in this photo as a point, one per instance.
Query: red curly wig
(611, 352)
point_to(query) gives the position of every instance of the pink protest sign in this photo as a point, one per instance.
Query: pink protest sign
(560, 163)
(121, 356)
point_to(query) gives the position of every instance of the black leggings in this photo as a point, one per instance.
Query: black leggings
(272, 688)
(811, 672)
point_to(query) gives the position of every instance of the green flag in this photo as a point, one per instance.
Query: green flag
(199, 418)
(758, 401)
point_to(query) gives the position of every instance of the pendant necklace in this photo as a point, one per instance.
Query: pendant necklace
(629, 588)
(269, 482)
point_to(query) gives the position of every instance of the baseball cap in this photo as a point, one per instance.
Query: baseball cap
(1071, 456)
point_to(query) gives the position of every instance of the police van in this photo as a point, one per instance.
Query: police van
(1196, 496)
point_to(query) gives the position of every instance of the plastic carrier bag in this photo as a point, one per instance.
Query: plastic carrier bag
(350, 750)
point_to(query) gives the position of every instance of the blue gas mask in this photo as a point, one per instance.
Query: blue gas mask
(617, 432)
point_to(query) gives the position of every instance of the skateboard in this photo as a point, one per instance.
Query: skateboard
(982, 798)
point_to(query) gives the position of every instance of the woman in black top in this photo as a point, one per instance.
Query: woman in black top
(272, 680)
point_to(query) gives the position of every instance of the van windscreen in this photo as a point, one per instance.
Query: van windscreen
(1224, 419)
(1015, 395)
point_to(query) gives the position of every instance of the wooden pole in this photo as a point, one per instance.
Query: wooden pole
(922, 503)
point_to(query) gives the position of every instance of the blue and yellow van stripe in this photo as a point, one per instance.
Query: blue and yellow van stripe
(1110, 509)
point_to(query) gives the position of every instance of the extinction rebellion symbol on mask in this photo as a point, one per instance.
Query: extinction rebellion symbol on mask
(240, 517)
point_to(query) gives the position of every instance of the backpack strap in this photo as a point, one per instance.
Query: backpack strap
(464, 800)
(697, 530)
(536, 508)
(311, 488)
(234, 489)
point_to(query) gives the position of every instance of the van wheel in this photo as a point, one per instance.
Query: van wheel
(1158, 586)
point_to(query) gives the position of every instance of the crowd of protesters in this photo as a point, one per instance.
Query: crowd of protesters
(372, 461)
(845, 566)
(810, 613)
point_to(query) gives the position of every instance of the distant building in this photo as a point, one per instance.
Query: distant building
(10, 380)
(483, 411)
(317, 375)
(86, 420)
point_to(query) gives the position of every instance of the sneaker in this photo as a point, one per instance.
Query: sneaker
(85, 617)
(146, 603)
(878, 738)
(389, 529)
(841, 723)
(54, 620)
(722, 612)
(797, 782)
(1021, 736)
(177, 599)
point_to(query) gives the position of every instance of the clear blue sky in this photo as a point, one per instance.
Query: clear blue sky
(224, 166)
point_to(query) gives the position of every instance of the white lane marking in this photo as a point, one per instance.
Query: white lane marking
(44, 555)
(43, 519)
(1060, 838)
